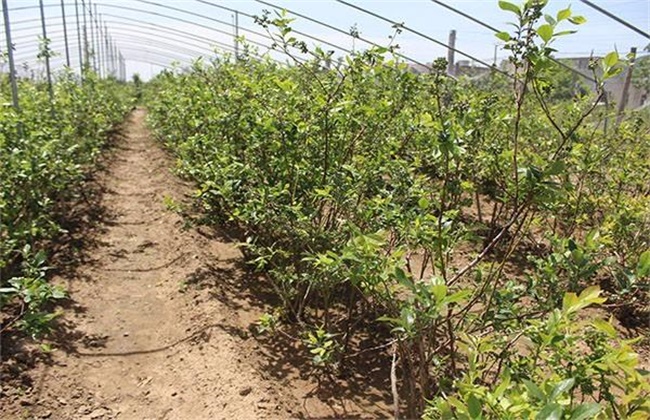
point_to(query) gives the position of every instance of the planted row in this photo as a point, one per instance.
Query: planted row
(46, 149)
(460, 221)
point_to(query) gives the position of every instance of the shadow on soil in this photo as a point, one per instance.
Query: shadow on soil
(82, 217)
(364, 380)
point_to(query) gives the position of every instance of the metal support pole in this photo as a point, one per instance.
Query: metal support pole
(93, 51)
(81, 56)
(98, 30)
(107, 53)
(236, 34)
(123, 66)
(65, 35)
(98, 37)
(116, 59)
(86, 63)
(10, 54)
(100, 41)
(111, 55)
(114, 56)
(48, 71)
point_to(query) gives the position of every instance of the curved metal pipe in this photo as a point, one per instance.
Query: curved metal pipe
(322, 41)
(339, 30)
(173, 18)
(139, 36)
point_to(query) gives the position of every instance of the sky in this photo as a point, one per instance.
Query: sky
(152, 34)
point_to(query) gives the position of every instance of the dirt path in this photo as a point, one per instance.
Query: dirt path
(154, 331)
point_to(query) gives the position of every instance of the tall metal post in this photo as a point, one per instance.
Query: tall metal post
(10, 54)
(236, 35)
(108, 53)
(81, 56)
(116, 59)
(100, 44)
(93, 51)
(47, 52)
(86, 64)
(113, 56)
(123, 67)
(65, 35)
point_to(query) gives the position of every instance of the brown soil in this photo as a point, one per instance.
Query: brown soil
(160, 318)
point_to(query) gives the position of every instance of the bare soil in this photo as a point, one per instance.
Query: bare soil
(161, 315)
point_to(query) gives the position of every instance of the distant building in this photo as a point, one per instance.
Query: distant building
(470, 69)
(461, 68)
(419, 68)
(614, 86)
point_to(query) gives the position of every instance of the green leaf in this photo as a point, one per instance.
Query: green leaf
(58, 293)
(569, 301)
(474, 407)
(563, 33)
(643, 266)
(387, 319)
(39, 258)
(591, 295)
(577, 20)
(550, 20)
(563, 14)
(504, 5)
(503, 36)
(404, 279)
(458, 296)
(585, 411)
(561, 388)
(503, 386)
(572, 303)
(611, 59)
(612, 72)
(439, 291)
(552, 411)
(604, 327)
(555, 168)
(545, 32)
(534, 390)
(46, 348)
